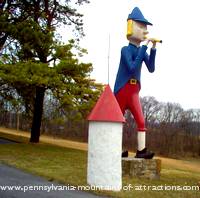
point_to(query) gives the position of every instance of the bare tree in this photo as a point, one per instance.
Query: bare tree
(151, 108)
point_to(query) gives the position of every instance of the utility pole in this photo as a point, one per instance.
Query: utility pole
(109, 59)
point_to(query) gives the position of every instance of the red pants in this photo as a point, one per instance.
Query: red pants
(128, 98)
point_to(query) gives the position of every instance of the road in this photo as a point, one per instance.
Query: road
(12, 177)
(5, 141)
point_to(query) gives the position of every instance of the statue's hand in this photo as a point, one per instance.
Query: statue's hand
(147, 42)
(154, 44)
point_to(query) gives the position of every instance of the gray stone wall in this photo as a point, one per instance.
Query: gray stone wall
(142, 168)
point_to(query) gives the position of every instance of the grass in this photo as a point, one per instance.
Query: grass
(69, 166)
(53, 162)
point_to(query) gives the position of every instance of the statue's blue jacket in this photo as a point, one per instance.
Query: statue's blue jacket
(131, 64)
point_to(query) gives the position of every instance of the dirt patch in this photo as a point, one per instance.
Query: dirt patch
(182, 164)
(179, 164)
(48, 139)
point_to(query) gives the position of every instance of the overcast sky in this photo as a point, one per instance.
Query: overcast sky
(177, 75)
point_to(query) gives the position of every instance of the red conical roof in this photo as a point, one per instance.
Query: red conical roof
(107, 108)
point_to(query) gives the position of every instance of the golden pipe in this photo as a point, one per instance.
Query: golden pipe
(154, 40)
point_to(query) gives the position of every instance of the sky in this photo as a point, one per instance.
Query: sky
(176, 77)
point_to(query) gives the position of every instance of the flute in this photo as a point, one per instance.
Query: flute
(154, 40)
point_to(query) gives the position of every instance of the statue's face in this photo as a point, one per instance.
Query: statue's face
(139, 31)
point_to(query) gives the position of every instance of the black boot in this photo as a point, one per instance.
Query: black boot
(125, 154)
(144, 154)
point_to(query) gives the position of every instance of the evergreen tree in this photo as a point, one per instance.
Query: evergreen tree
(34, 60)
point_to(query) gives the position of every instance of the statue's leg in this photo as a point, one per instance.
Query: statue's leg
(136, 109)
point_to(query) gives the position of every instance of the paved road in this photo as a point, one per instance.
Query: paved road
(5, 141)
(10, 176)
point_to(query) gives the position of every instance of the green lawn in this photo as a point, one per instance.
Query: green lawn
(69, 166)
